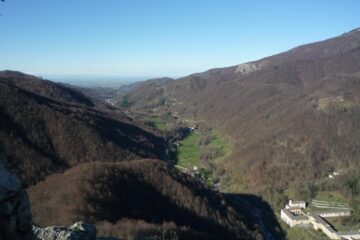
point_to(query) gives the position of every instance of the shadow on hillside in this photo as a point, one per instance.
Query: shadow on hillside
(260, 212)
(131, 198)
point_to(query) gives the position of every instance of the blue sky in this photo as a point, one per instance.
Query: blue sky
(149, 38)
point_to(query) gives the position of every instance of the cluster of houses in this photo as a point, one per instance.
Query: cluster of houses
(294, 215)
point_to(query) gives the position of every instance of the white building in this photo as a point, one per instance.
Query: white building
(296, 204)
(294, 216)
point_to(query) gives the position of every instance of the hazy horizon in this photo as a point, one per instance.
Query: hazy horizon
(93, 80)
(138, 40)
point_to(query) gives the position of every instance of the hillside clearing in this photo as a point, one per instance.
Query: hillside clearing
(188, 152)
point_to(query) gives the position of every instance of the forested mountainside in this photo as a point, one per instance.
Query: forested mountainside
(46, 127)
(83, 160)
(46, 88)
(150, 93)
(292, 117)
(140, 197)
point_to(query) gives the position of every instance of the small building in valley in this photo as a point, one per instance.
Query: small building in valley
(296, 204)
(294, 217)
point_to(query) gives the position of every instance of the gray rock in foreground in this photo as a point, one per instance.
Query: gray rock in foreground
(77, 231)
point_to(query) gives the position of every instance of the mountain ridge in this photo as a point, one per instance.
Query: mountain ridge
(42, 134)
(281, 112)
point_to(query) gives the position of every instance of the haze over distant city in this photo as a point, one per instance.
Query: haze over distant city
(133, 40)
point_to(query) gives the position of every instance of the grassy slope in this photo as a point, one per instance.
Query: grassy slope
(297, 233)
(158, 123)
(331, 196)
(221, 142)
(188, 152)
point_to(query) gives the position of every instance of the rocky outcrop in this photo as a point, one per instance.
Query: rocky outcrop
(15, 214)
(77, 231)
(247, 68)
